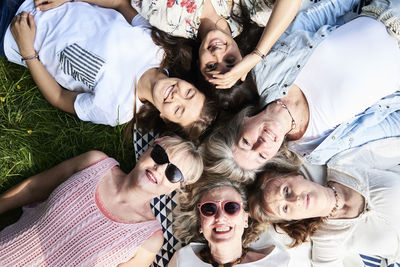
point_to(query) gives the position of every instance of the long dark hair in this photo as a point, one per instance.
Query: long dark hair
(244, 93)
(148, 119)
(178, 63)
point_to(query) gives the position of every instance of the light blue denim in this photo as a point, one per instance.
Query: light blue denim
(279, 69)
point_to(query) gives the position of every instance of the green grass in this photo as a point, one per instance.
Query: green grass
(35, 136)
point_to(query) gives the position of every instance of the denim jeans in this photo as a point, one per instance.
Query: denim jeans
(8, 8)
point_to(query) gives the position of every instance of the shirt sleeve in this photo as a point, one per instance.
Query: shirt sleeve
(88, 110)
(140, 21)
(381, 154)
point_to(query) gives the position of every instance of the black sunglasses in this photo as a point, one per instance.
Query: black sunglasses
(160, 156)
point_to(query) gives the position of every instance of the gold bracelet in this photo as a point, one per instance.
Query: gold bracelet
(258, 53)
(36, 55)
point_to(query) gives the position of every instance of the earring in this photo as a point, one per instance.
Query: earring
(200, 231)
(246, 224)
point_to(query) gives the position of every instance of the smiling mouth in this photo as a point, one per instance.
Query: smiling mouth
(167, 92)
(222, 229)
(151, 177)
(216, 43)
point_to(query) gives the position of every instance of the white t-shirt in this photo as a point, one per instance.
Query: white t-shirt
(333, 80)
(93, 50)
(186, 256)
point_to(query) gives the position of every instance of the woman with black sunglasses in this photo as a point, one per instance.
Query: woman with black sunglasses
(93, 213)
(213, 219)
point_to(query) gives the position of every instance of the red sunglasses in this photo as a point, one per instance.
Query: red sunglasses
(210, 208)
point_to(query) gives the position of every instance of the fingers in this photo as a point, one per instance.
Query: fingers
(31, 21)
(223, 81)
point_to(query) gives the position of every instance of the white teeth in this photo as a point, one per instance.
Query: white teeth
(152, 177)
(222, 229)
(270, 136)
(216, 44)
(167, 92)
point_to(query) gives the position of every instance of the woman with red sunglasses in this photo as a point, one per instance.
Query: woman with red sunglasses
(92, 212)
(213, 219)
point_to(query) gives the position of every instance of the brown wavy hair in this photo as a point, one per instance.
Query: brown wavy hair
(186, 223)
(148, 119)
(178, 63)
(299, 230)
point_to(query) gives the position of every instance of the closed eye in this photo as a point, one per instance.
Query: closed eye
(190, 93)
(179, 110)
(262, 156)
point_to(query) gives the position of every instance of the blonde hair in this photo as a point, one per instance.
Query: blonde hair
(175, 146)
(186, 223)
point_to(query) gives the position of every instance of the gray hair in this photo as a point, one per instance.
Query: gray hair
(218, 149)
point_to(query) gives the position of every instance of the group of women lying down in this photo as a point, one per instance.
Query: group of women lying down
(308, 97)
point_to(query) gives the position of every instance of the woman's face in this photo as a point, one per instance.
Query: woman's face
(223, 228)
(259, 140)
(218, 53)
(151, 176)
(294, 197)
(178, 101)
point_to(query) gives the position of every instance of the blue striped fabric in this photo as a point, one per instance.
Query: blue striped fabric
(370, 261)
(376, 261)
(81, 64)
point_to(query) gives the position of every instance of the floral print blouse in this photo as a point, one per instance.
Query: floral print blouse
(181, 18)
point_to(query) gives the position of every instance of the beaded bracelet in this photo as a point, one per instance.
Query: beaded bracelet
(36, 55)
(258, 53)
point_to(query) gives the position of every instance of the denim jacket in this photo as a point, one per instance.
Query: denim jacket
(382, 120)
(279, 69)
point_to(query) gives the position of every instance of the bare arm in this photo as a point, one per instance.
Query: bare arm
(39, 187)
(23, 29)
(146, 254)
(282, 15)
(122, 6)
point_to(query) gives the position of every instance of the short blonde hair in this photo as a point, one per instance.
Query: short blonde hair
(188, 152)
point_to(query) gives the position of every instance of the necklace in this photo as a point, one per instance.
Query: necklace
(293, 125)
(205, 254)
(336, 200)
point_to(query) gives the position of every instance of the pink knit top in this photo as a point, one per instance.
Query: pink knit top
(69, 229)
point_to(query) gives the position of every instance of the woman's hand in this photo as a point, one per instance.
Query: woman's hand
(44, 5)
(23, 28)
(239, 71)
